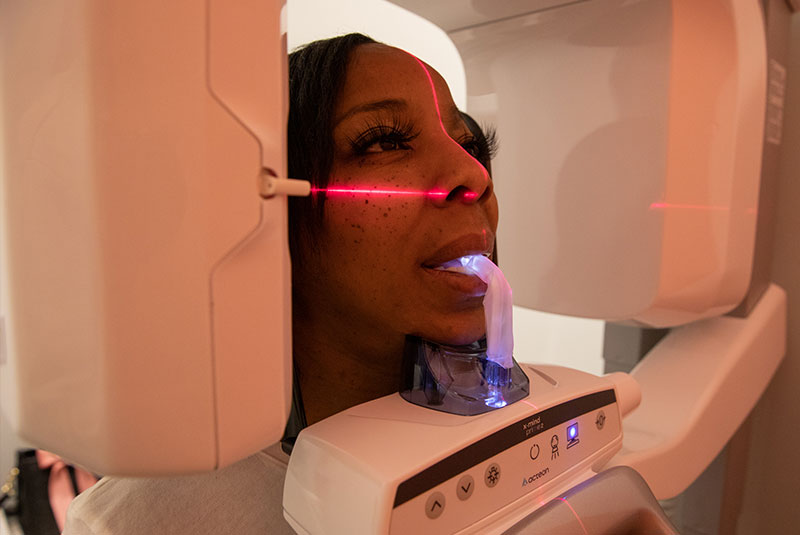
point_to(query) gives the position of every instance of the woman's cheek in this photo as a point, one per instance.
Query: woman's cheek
(388, 212)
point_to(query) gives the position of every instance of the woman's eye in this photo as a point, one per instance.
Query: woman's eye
(384, 145)
(472, 147)
(384, 138)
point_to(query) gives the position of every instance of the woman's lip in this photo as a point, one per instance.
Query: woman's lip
(460, 282)
(468, 244)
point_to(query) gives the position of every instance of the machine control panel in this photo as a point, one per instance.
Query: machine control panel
(389, 466)
(511, 463)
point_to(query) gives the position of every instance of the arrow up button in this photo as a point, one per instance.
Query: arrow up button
(434, 507)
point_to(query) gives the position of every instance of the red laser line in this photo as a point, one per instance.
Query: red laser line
(434, 194)
(526, 402)
(576, 515)
(441, 123)
(381, 192)
(701, 207)
(671, 206)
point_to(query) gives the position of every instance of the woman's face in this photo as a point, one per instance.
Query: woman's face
(404, 197)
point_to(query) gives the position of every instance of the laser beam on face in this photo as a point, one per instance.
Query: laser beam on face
(439, 115)
(384, 192)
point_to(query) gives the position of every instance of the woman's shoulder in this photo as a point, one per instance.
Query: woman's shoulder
(244, 498)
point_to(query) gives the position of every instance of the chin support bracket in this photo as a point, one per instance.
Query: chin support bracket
(458, 379)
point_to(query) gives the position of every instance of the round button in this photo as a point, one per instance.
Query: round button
(534, 452)
(600, 421)
(466, 485)
(434, 507)
(492, 475)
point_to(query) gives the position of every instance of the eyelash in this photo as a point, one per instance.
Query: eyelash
(399, 133)
(485, 148)
(402, 133)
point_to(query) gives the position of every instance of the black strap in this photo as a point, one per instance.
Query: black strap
(297, 417)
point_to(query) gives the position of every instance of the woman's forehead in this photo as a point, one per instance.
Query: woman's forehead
(378, 73)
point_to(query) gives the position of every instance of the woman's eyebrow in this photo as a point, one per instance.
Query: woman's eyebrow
(391, 104)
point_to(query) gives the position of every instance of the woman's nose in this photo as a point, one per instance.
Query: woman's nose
(460, 177)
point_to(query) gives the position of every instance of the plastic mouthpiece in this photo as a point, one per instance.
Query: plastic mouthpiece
(497, 305)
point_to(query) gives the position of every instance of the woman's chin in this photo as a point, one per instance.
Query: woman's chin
(455, 335)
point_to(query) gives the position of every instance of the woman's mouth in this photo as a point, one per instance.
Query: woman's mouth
(445, 268)
(460, 282)
(452, 274)
(453, 266)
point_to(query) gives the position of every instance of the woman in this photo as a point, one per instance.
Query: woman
(398, 192)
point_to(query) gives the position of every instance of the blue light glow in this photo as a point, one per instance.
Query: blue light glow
(499, 404)
(496, 402)
(572, 431)
(572, 435)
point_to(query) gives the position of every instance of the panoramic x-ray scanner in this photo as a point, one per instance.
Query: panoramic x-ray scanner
(147, 273)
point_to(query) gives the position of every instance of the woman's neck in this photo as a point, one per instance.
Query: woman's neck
(339, 366)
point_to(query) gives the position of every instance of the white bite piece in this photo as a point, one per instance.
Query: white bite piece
(497, 308)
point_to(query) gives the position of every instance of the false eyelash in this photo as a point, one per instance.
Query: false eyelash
(492, 141)
(399, 131)
(486, 145)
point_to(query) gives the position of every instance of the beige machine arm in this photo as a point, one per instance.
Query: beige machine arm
(698, 385)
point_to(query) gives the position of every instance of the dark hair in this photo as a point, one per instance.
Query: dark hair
(316, 76)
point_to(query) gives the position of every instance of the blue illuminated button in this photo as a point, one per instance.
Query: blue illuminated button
(572, 435)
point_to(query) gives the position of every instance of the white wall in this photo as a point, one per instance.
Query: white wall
(562, 340)
(309, 20)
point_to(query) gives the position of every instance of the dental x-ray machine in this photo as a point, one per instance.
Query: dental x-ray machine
(147, 268)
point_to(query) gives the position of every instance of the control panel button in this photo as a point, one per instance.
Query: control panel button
(492, 475)
(434, 507)
(465, 488)
(534, 452)
(572, 435)
(600, 421)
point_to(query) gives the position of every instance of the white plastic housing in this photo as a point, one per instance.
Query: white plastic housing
(630, 149)
(148, 282)
(375, 468)
(699, 384)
